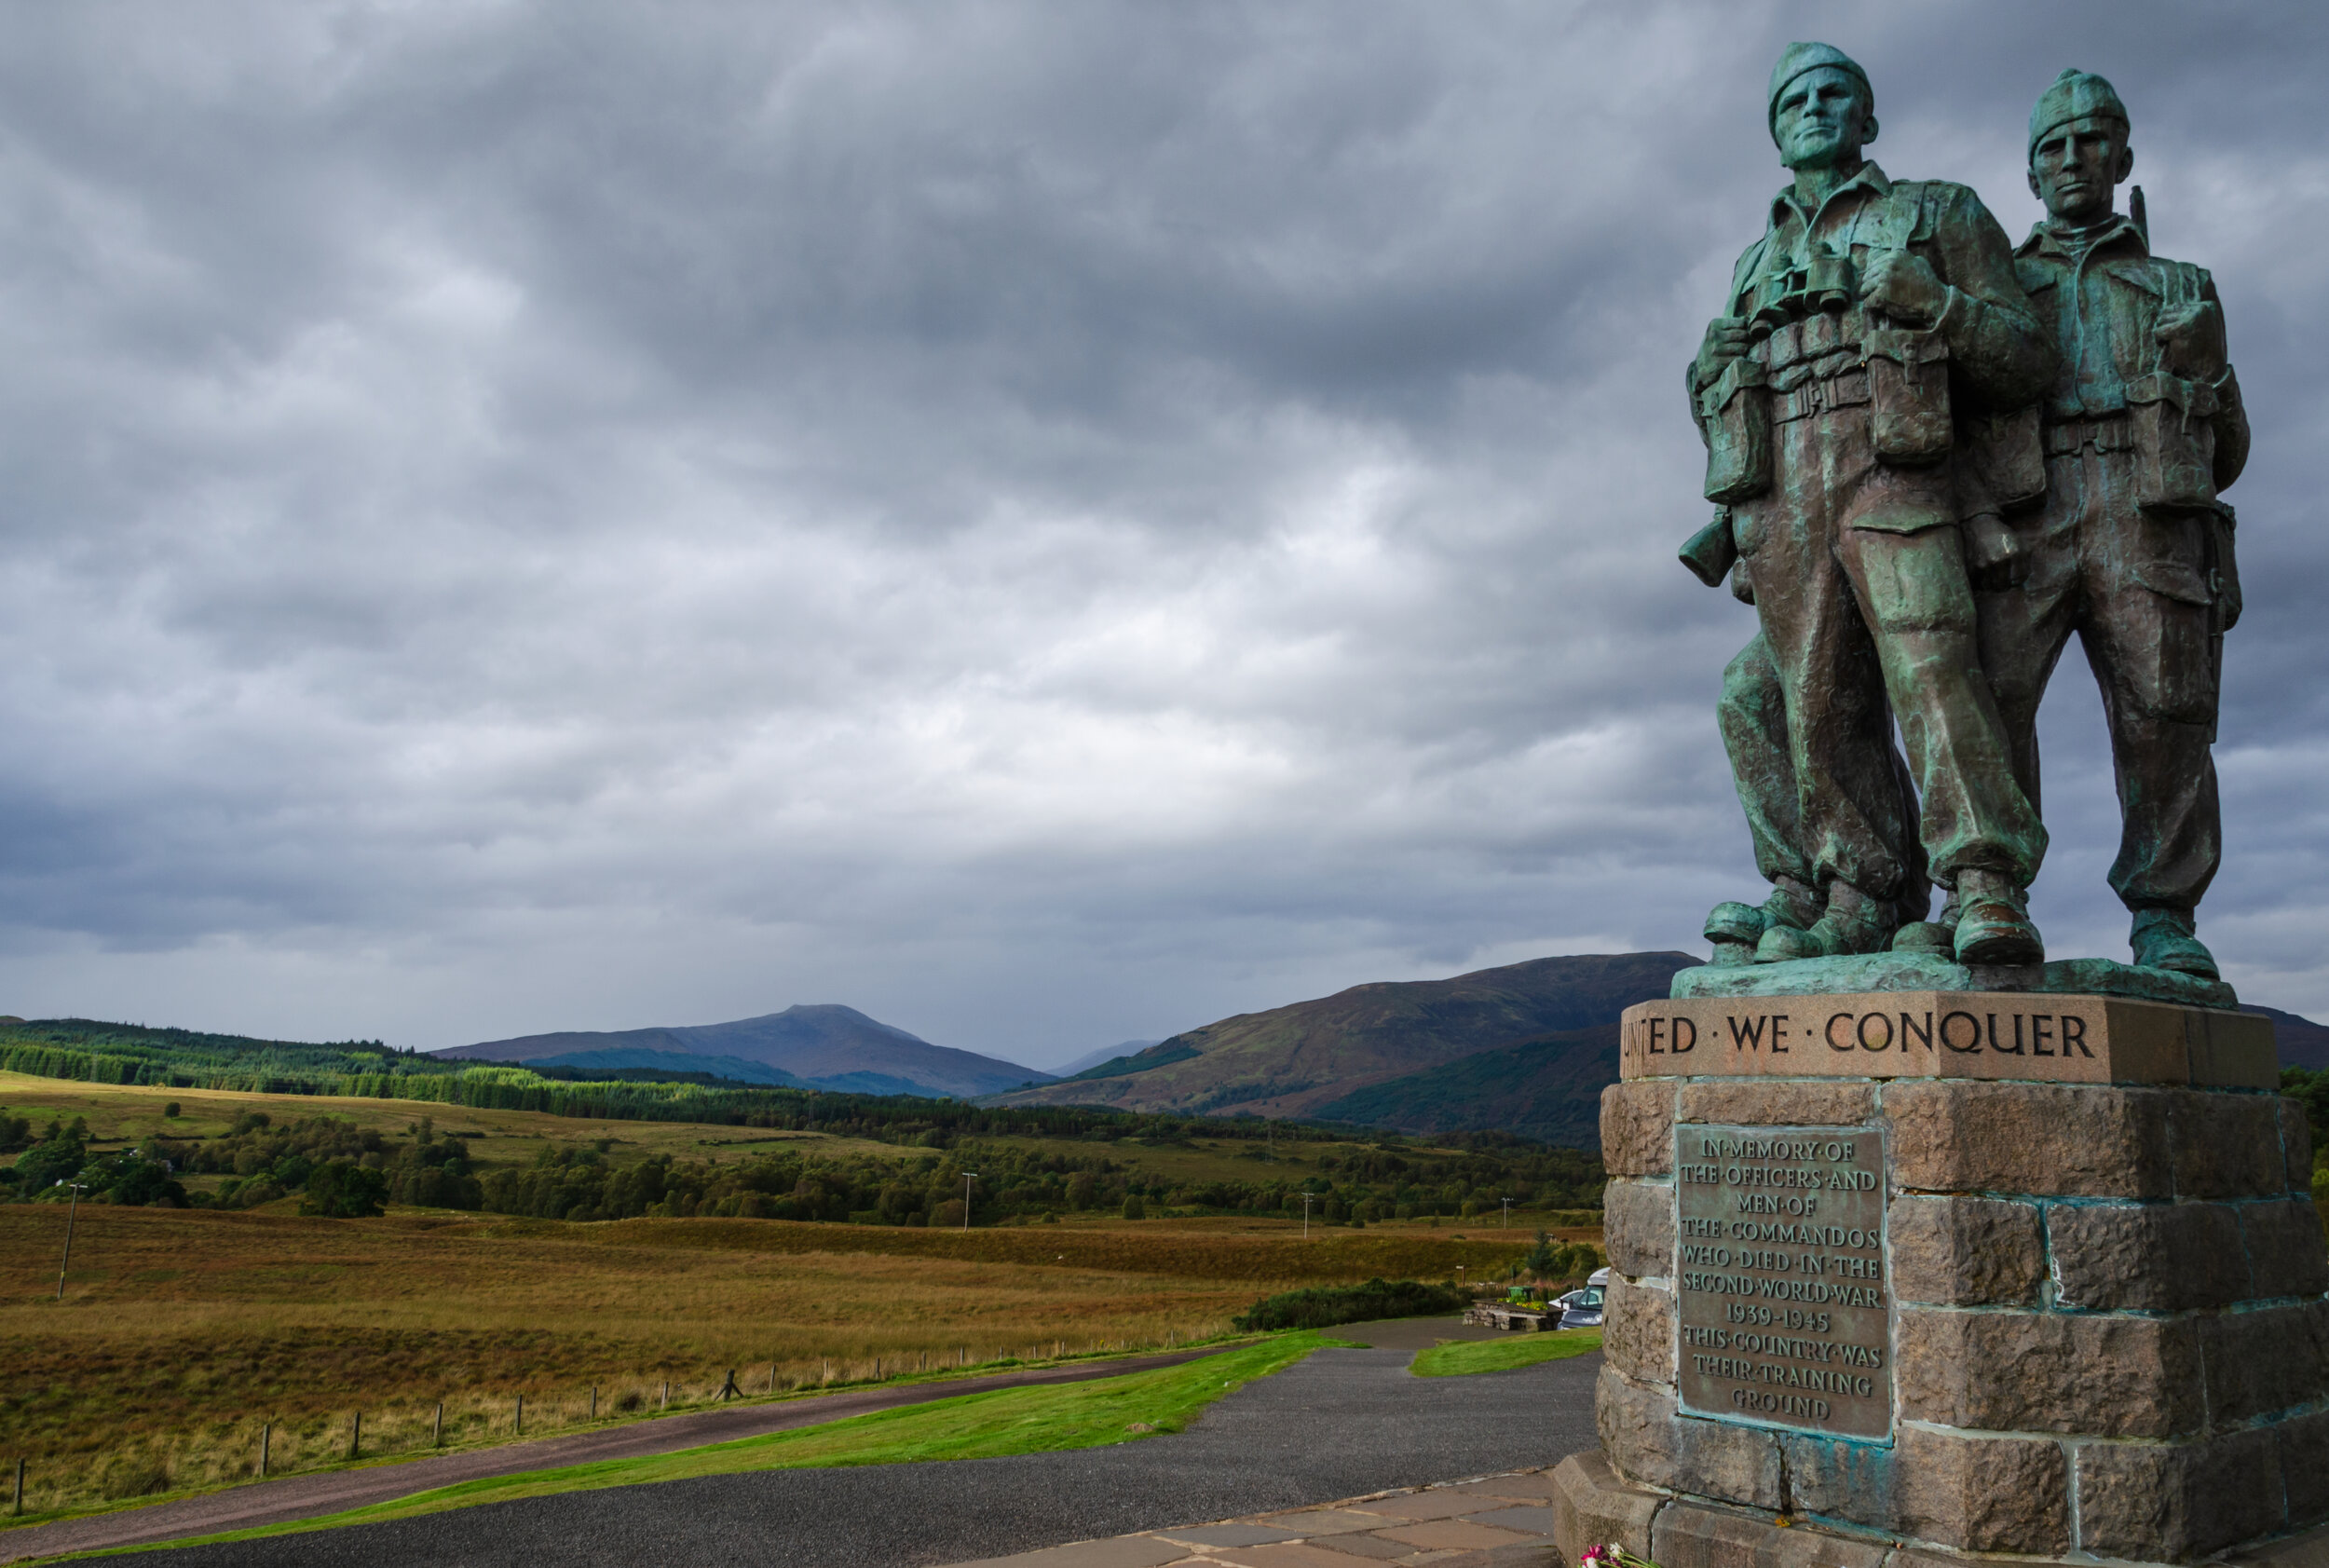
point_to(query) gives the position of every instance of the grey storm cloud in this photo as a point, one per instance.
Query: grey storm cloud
(1043, 523)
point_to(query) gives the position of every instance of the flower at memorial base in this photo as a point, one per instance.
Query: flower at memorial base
(1611, 1555)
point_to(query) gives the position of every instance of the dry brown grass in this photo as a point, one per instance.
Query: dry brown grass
(183, 1330)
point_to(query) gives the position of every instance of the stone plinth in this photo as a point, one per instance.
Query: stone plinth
(2094, 1323)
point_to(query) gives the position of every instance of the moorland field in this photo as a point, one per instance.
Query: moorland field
(182, 1330)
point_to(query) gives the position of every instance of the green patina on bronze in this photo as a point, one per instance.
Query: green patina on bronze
(1936, 458)
(2128, 545)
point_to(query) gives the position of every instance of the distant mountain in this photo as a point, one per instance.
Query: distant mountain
(2300, 1042)
(1291, 1060)
(1549, 1088)
(1105, 1054)
(811, 1047)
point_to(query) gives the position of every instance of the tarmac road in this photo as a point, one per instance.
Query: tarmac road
(1341, 1424)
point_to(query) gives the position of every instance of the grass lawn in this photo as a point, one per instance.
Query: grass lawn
(1464, 1357)
(973, 1426)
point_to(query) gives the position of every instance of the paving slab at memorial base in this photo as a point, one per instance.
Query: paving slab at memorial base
(1594, 1506)
(1486, 1521)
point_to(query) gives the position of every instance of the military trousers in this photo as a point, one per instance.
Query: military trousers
(1753, 716)
(2135, 588)
(1859, 574)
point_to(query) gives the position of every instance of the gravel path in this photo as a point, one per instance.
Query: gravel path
(1341, 1424)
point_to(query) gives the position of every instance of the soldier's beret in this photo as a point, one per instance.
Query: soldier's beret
(2074, 95)
(1801, 58)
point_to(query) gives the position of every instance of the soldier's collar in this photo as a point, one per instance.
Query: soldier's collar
(2050, 238)
(1868, 177)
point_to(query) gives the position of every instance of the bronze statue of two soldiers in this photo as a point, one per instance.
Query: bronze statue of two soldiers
(1936, 457)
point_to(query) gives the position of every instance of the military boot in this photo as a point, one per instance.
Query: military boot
(1937, 937)
(2164, 939)
(1994, 928)
(1735, 928)
(1852, 923)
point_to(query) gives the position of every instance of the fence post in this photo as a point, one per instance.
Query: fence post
(355, 1434)
(521, 1415)
(267, 1431)
(17, 1507)
(594, 1402)
(436, 1432)
(667, 1393)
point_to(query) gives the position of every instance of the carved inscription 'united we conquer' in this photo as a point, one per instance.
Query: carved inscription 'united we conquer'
(1937, 1034)
(1785, 1310)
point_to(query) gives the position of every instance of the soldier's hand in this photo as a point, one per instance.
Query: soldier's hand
(1904, 286)
(2192, 337)
(1993, 556)
(1725, 341)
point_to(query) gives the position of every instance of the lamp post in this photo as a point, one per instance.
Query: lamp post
(968, 1177)
(73, 1207)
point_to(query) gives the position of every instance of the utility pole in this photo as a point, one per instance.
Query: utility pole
(1507, 1220)
(968, 1177)
(1306, 1198)
(72, 1208)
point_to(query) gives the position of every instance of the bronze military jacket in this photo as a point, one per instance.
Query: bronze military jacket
(2105, 299)
(1999, 348)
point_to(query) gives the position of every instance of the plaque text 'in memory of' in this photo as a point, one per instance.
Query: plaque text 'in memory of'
(1785, 1310)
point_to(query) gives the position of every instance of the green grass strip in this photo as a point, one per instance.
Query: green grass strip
(1034, 1420)
(1462, 1358)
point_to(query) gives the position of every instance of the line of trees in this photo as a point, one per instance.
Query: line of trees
(336, 1169)
(339, 1169)
(584, 1183)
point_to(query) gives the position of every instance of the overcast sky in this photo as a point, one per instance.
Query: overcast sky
(1045, 523)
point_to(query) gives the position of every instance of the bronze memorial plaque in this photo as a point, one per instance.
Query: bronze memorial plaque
(1786, 1316)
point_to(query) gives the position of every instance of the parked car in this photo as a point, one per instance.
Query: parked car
(1582, 1309)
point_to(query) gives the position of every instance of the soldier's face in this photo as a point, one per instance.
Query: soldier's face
(2075, 167)
(1822, 119)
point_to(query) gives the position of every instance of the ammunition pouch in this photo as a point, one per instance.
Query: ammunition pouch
(1909, 424)
(2109, 433)
(1799, 393)
(2224, 571)
(1735, 414)
(1712, 551)
(2172, 422)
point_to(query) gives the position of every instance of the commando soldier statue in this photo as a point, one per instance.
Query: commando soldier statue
(1875, 327)
(2130, 547)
